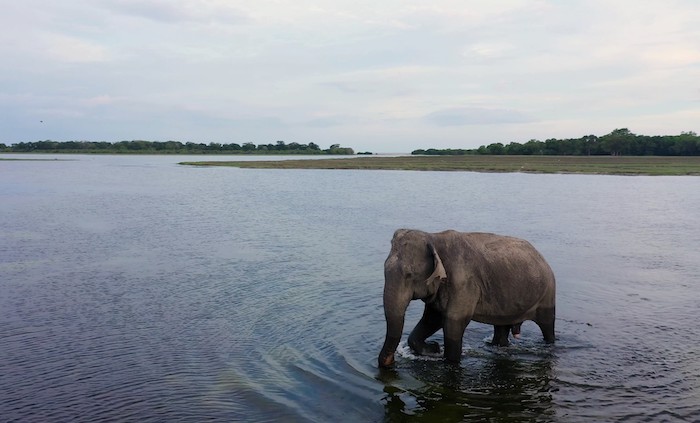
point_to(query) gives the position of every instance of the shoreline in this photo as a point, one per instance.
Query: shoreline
(587, 165)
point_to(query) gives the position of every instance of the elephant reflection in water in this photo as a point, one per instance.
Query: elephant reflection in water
(492, 279)
(494, 388)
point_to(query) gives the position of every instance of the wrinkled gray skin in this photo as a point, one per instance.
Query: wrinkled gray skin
(492, 279)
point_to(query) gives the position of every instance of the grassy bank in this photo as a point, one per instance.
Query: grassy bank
(609, 165)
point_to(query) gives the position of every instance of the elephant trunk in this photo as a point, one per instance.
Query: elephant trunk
(395, 305)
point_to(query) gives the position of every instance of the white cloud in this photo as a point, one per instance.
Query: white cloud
(72, 50)
(164, 11)
(372, 75)
(476, 116)
(100, 100)
(671, 56)
(488, 50)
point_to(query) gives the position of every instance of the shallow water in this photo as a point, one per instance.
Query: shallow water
(132, 288)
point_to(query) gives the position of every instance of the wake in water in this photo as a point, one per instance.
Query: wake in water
(404, 351)
(523, 346)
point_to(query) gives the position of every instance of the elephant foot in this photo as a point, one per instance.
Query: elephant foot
(425, 348)
(387, 361)
(431, 348)
(500, 342)
(500, 336)
(515, 330)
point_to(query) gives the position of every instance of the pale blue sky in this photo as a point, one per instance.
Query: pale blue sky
(383, 76)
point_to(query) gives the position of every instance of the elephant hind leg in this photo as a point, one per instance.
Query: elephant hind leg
(545, 320)
(430, 323)
(515, 330)
(500, 335)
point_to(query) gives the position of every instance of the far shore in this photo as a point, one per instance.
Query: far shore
(596, 165)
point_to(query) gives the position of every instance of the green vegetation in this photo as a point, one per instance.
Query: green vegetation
(611, 165)
(620, 142)
(169, 147)
(617, 143)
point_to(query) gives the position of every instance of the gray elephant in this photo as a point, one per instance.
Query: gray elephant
(422, 347)
(464, 276)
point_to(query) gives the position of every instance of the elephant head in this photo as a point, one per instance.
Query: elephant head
(413, 270)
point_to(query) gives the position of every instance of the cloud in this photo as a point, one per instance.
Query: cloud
(372, 75)
(476, 116)
(488, 50)
(327, 122)
(69, 49)
(100, 100)
(165, 11)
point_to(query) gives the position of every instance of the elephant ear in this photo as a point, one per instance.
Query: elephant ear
(439, 274)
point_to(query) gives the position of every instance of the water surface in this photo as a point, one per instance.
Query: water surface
(132, 288)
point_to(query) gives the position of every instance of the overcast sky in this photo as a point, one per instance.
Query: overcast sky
(379, 75)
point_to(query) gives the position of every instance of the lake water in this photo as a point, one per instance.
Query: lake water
(136, 289)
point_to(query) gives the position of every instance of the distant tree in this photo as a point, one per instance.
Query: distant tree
(686, 144)
(337, 149)
(496, 148)
(551, 147)
(49, 145)
(231, 147)
(533, 147)
(618, 141)
(589, 143)
(141, 145)
(514, 148)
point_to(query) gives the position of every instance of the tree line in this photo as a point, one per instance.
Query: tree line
(618, 142)
(170, 147)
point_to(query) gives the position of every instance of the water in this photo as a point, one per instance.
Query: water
(135, 289)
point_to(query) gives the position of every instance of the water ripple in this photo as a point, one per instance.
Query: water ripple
(161, 293)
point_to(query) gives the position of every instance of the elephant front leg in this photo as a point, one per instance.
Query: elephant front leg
(454, 332)
(430, 323)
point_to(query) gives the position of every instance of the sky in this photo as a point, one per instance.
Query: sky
(380, 76)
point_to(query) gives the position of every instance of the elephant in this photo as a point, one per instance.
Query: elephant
(500, 337)
(463, 276)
